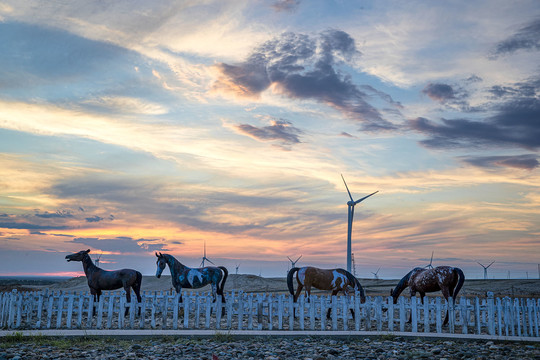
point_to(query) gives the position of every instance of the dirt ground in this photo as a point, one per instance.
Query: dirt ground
(257, 284)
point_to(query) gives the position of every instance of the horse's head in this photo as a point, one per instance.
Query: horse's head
(161, 263)
(78, 256)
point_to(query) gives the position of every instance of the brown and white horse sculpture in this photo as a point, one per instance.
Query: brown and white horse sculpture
(335, 280)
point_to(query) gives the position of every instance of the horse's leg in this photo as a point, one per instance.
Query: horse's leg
(334, 293)
(137, 290)
(127, 289)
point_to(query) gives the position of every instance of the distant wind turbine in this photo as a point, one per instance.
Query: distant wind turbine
(351, 204)
(293, 263)
(204, 258)
(237, 266)
(429, 266)
(485, 269)
(376, 274)
(98, 259)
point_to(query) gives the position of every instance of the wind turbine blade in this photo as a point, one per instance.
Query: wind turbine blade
(365, 197)
(347, 187)
(490, 264)
(289, 259)
(210, 261)
(298, 258)
(480, 264)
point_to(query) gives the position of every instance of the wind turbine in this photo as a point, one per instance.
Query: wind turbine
(351, 204)
(237, 266)
(485, 269)
(204, 257)
(429, 266)
(293, 263)
(97, 259)
(375, 274)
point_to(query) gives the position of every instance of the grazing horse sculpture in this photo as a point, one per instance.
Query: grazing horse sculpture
(186, 277)
(99, 279)
(447, 279)
(324, 279)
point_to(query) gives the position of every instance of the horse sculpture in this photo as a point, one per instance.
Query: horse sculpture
(186, 277)
(324, 279)
(99, 279)
(447, 279)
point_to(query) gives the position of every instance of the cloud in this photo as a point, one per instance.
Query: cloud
(285, 5)
(58, 214)
(513, 123)
(279, 130)
(439, 92)
(28, 226)
(94, 219)
(121, 244)
(527, 161)
(526, 38)
(303, 67)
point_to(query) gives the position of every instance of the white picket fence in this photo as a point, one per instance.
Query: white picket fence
(248, 311)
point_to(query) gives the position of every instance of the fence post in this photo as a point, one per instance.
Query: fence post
(357, 314)
(499, 310)
(451, 314)
(402, 315)
(312, 306)
(438, 321)
(426, 314)
(414, 314)
(334, 312)
(491, 314)
(281, 309)
(323, 312)
(110, 310)
(390, 301)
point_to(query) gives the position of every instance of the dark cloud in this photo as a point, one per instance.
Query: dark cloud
(28, 226)
(94, 219)
(346, 134)
(121, 244)
(515, 122)
(285, 5)
(526, 38)
(527, 161)
(57, 214)
(37, 233)
(279, 130)
(439, 92)
(304, 67)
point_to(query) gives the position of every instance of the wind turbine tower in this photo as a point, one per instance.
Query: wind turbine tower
(485, 269)
(204, 258)
(237, 266)
(429, 266)
(351, 204)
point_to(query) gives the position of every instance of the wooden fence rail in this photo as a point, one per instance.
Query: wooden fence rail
(248, 311)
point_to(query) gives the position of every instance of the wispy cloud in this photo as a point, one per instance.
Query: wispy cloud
(526, 38)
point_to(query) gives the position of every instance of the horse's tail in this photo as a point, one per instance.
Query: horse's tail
(290, 275)
(222, 285)
(356, 284)
(461, 280)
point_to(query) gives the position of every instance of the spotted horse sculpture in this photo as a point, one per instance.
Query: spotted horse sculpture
(447, 279)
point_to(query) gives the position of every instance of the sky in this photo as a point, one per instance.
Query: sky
(135, 127)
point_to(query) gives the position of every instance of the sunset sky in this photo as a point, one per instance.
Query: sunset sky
(129, 127)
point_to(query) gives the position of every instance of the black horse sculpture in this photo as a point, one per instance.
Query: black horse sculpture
(186, 277)
(99, 279)
(324, 279)
(447, 279)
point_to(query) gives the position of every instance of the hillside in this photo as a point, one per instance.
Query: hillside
(253, 283)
